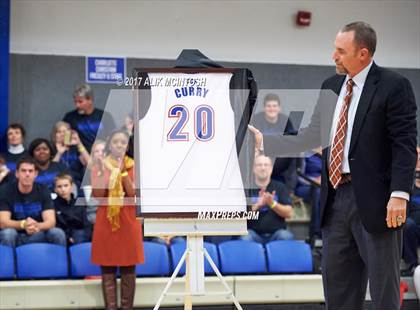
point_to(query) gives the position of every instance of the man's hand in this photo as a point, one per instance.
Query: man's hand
(396, 209)
(258, 138)
(269, 198)
(31, 226)
(260, 202)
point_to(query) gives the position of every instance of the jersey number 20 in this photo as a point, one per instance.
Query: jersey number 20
(203, 123)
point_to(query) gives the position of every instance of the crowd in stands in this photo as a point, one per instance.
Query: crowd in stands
(39, 185)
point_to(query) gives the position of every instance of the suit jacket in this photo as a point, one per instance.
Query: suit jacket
(382, 154)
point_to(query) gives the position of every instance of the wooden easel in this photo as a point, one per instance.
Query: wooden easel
(194, 254)
(194, 277)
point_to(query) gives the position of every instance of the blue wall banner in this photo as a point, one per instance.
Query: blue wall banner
(4, 70)
(105, 69)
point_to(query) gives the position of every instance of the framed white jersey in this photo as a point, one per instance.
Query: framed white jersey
(187, 153)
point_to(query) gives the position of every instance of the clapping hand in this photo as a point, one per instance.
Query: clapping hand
(123, 168)
(269, 198)
(258, 138)
(260, 201)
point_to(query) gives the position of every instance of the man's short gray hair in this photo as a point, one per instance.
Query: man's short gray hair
(83, 90)
(364, 35)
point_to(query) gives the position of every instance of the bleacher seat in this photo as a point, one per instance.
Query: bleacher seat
(7, 262)
(241, 257)
(289, 256)
(178, 249)
(156, 260)
(80, 265)
(41, 260)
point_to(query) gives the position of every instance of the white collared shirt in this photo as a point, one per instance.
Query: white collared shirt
(359, 82)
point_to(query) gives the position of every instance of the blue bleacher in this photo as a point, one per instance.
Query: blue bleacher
(289, 256)
(41, 260)
(178, 249)
(7, 262)
(44, 260)
(156, 260)
(80, 264)
(242, 257)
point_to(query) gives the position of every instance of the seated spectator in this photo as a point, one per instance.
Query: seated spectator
(271, 199)
(41, 150)
(69, 150)
(97, 156)
(272, 122)
(5, 175)
(309, 188)
(70, 218)
(88, 121)
(26, 210)
(15, 148)
(411, 230)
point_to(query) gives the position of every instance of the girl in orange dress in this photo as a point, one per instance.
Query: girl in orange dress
(117, 236)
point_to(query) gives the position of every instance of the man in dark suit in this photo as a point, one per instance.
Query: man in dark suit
(369, 139)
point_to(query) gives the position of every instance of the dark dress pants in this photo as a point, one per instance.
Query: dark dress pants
(352, 256)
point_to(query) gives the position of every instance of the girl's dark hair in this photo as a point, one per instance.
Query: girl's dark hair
(35, 143)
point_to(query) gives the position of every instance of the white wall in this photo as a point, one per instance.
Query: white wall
(246, 31)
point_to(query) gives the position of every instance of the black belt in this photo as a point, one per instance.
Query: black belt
(345, 178)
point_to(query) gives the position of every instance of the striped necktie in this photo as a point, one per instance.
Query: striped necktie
(337, 150)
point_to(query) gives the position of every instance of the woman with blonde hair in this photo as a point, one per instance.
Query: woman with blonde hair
(69, 150)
